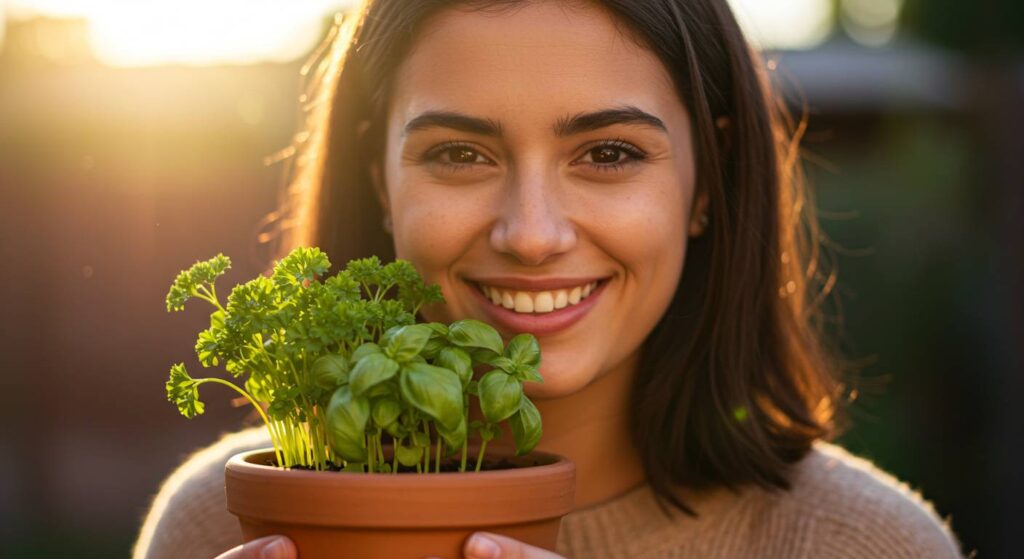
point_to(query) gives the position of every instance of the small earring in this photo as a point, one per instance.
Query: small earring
(697, 228)
(386, 224)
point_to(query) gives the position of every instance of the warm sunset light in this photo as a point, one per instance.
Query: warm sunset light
(201, 32)
(785, 24)
(194, 32)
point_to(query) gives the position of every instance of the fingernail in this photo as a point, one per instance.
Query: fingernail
(481, 547)
(275, 550)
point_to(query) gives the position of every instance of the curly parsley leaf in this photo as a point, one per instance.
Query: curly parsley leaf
(197, 280)
(183, 391)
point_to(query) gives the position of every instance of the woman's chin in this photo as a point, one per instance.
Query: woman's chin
(558, 382)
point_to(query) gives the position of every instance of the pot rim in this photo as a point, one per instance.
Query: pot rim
(524, 494)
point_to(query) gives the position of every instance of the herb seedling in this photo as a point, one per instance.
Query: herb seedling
(332, 365)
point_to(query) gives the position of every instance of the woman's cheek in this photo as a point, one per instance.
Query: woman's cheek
(432, 229)
(641, 228)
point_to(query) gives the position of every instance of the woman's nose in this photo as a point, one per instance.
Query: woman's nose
(533, 225)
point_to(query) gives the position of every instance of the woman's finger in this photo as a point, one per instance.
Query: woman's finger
(270, 547)
(485, 545)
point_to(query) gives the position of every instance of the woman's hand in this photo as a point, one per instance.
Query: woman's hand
(481, 545)
(270, 547)
(485, 545)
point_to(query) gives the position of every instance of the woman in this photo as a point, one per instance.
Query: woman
(613, 177)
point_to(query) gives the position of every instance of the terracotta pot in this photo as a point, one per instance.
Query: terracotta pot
(398, 516)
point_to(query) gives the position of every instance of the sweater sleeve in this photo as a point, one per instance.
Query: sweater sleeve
(867, 512)
(189, 516)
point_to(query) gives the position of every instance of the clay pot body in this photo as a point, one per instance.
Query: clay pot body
(398, 516)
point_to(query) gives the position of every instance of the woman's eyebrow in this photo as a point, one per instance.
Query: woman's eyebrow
(455, 121)
(585, 122)
(566, 126)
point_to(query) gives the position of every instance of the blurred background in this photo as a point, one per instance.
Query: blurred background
(139, 136)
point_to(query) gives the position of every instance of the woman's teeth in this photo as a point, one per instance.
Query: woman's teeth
(537, 301)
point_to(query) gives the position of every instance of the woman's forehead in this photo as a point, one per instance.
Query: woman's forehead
(542, 60)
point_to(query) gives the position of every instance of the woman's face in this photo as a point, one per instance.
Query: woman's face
(539, 168)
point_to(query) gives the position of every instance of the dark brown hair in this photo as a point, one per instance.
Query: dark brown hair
(733, 384)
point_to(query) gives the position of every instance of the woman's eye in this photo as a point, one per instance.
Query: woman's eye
(612, 156)
(455, 156)
(605, 155)
(461, 155)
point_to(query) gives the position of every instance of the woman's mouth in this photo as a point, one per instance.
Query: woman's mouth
(538, 311)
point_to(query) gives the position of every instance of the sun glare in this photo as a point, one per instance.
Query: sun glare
(207, 32)
(195, 32)
(785, 24)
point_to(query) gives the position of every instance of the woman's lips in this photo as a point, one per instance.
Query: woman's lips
(538, 324)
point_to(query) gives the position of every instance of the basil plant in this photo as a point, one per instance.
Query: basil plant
(335, 366)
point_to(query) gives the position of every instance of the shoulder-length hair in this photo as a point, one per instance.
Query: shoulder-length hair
(734, 384)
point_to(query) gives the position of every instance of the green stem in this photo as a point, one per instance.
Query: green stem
(206, 295)
(394, 454)
(437, 457)
(380, 448)
(213, 293)
(480, 455)
(322, 426)
(465, 443)
(426, 451)
(369, 452)
(266, 421)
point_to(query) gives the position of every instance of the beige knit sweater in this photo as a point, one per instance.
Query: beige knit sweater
(840, 506)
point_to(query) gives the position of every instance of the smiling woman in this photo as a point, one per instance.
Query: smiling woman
(615, 178)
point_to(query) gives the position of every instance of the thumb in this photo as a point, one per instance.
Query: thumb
(485, 545)
(269, 547)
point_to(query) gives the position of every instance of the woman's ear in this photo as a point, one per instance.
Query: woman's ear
(699, 217)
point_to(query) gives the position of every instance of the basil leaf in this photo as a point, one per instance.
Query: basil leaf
(500, 394)
(438, 340)
(386, 411)
(501, 362)
(371, 370)
(409, 456)
(475, 334)
(382, 389)
(434, 346)
(458, 361)
(346, 424)
(435, 391)
(364, 350)
(330, 371)
(397, 430)
(526, 427)
(439, 328)
(454, 438)
(483, 355)
(524, 350)
(526, 373)
(385, 338)
(408, 341)
(489, 433)
(420, 439)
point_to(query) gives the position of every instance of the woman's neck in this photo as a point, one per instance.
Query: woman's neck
(591, 428)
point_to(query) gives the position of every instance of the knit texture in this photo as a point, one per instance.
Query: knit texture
(840, 506)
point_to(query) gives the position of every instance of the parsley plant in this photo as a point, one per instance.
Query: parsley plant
(333, 364)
